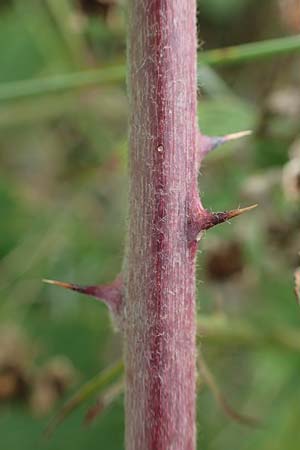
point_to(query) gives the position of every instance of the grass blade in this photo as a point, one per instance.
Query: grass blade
(251, 52)
(96, 385)
(116, 74)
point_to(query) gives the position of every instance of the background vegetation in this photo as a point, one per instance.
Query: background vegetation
(63, 216)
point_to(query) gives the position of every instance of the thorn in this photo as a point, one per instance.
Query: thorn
(238, 135)
(61, 284)
(111, 294)
(209, 143)
(211, 219)
(239, 211)
(89, 290)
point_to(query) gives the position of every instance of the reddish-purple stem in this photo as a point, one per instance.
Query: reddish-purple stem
(155, 304)
(160, 347)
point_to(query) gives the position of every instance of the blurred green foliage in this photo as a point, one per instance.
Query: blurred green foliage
(63, 200)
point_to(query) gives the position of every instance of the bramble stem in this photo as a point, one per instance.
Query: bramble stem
(160, 329)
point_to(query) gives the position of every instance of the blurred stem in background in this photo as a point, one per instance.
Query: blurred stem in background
(217, 329)
(116, 74)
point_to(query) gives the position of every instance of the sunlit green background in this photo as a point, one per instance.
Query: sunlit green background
(63, 193)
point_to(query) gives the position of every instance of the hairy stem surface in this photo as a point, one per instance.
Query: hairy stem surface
(159, 328)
